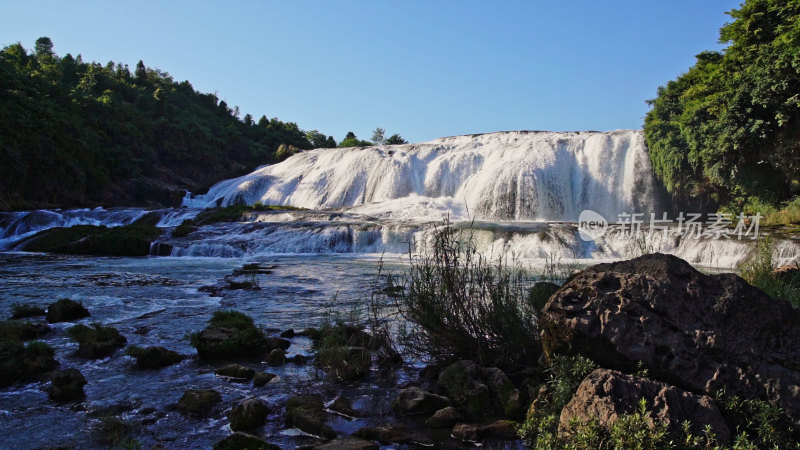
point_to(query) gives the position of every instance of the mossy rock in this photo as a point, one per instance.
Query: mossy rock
(262, 378)
(128, 240)
(307, 413)
(244, 441)
(24, 362)
(460, 382)
(97, 341)
(184, 229)
(17, 330)
(198, 402)
(231, 335)
(251, 413)
(153, 357)
(66, 310)
(236, 371)
(66, 385)
(24, 311)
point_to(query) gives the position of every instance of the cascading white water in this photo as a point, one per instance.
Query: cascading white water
(516, 176)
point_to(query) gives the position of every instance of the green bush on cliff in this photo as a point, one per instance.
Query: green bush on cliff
(725, 132)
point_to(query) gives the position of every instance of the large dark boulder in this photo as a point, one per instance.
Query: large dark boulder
(606, 395)
(414, 400)
(481, 391)
(198, 402)
(307, 413)
(699, 332)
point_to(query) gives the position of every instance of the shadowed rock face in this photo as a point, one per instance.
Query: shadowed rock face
(699, 332)
(606, 395)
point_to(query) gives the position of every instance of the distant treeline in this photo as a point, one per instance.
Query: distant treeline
(726, 134)
(74, 133)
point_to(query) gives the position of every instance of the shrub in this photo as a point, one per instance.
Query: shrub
(24, 362)
(759, 271)
(460, 306)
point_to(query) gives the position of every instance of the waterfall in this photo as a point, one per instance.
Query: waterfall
(506, 176)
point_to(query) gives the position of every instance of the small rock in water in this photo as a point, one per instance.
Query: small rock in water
(444, 418)
(276, 358)
(155, 357)
(240, 441)
(251, 413)
(500, 429)
(66, 385)
(66, 310)
(344, 406)
(236, 372)
(288, 334)
(465, 432)
(262, 378)
(348, 443)
(307, 413)
(414, 400)
(198, 402)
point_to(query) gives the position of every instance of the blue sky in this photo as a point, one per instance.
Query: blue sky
(423, 69)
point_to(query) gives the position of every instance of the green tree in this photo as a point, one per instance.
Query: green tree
(395, 139)
(378, 136)
(44, 47)
(141, 71)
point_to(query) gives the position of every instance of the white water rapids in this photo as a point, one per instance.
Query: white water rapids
(520, 191)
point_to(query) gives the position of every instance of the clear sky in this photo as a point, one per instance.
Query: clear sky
(421, 68)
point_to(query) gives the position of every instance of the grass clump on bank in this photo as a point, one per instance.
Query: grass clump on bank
(761, 272)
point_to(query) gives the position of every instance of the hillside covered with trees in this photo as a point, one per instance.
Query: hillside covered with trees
(726, 134)
(74, 133)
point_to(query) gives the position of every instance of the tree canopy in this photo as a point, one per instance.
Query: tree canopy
(727, 132)
(83, 134)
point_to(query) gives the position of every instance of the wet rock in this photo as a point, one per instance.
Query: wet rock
(231, 335)
(236, 372)
(507, 398)
(444, 418)
(348, 443)
(500, 429)
(23, 311)
(414, 400)
(605, 395)
(127, 240)
(23, 362)
(343, 406)
(66, 310)
(18, 330)
(298, 360)
(288, 334)
(233, 282)
(276, 357)
(461, 383)
(254, 269)
(698, 332)
(66, 385)
(311, 333)
(307, 413)
(465, 432)
(198, 402)
(155, 357)
(242, 441)
(116, 409)
(251, 413)
(393, 434)
(97, 341)
(262, 378)
(161, 249)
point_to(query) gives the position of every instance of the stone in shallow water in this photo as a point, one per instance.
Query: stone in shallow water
(348, 443)
(240, 441)
(236, 372)
(414, 400)
(262, 378)
(198, 402)
(251, 413)
(66, 385)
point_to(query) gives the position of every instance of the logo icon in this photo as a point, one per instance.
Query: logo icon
(591, 225)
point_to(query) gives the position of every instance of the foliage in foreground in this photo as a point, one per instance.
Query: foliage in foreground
(760, 272)
(460, 306)
(754, 423)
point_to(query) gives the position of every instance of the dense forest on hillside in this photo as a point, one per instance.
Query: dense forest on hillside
(727, 132)
(74, 133)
